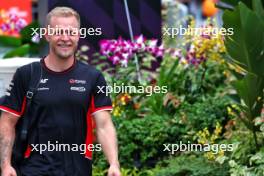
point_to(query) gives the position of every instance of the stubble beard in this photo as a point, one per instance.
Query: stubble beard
(64, 54)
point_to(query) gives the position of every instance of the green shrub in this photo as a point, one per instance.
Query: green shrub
(141, 139)
(190, 165)
(204, 113)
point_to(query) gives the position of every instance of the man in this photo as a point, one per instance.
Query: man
(65, 103)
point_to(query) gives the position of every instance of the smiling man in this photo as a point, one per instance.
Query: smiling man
(64, 107)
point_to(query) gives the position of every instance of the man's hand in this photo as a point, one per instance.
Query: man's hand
(114, 171)
(8, 171)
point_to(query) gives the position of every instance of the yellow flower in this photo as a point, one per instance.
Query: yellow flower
(209, 46)
(114, 104)
(204, 137)
(218, 129)
(117, 111)
(221, 153)
(209, 155)
(125, 98)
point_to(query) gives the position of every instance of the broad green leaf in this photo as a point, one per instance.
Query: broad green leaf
(249, 89)
(10, 41)
(258, 8)
(247, 43)
(20, 51)
(235, 2)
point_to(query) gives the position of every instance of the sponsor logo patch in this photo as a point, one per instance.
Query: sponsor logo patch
(78, 89)
(43, 88)
(43, 81)
(77, 81)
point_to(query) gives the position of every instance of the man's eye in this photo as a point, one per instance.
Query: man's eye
(59, 32)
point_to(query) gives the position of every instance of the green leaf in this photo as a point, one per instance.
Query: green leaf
(235, 2)
(166, 74)
(27, 32)
(258, 8)
(10, 41)
(20, 51)
(246, 45)
(249, 89)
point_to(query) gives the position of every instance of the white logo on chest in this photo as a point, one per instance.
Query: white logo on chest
(78, 89)
(43, 81)
(43, 88)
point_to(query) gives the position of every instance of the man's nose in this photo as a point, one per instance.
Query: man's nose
(65, 37)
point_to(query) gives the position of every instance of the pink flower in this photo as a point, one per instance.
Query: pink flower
(175, 52)
(115, 59)
(159, 52)
(140, 39)
(12, 25)
(120, 51)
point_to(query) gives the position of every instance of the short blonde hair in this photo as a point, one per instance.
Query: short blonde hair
(63, 12)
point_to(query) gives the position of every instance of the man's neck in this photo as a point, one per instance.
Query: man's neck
(57, 64)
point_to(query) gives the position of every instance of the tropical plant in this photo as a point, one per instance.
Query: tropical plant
(245, 49)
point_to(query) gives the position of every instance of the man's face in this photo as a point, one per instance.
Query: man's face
(64, 38)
